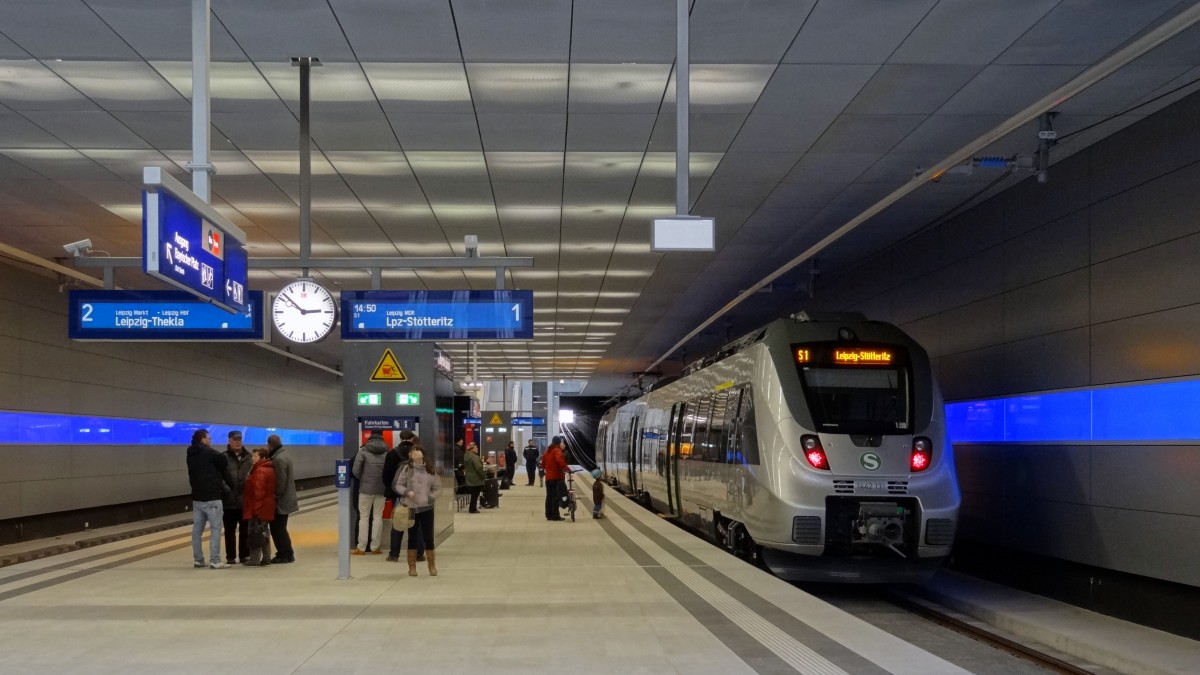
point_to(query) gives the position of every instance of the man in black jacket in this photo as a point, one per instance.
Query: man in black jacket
(239, 461)
(531, 460)
(209, 476)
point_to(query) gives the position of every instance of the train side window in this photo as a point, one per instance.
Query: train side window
(747, 429)
(717, 429)
(687, 429)
(729, 449)
(700, 434)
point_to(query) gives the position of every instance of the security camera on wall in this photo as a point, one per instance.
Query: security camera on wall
(78, 248)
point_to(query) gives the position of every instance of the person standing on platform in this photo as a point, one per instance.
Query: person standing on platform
(285, 500)
(597, 495)
(368, 469)
(510, 462)
(474, 475)
(555, 466)
(418, 485)
(209, 477)
(459, 453)
(391, 464)
(239, 461)
(258, 507)
(531, 460)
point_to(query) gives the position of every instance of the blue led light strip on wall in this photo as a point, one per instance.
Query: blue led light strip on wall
(30, 428)
(1168, 411)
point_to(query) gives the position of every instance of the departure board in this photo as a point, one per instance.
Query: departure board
(437, 315)
(160, 316)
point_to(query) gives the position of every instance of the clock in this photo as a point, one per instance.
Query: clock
(304, 311)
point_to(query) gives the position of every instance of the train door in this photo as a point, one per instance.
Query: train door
(635, 452)
(671, 461)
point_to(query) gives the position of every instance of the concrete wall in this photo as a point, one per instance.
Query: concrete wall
(1088, 280)
(41, 370)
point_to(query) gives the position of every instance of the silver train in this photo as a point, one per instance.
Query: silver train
(815, 446)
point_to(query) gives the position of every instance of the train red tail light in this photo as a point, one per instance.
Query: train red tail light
(814, 453)
(922, 454)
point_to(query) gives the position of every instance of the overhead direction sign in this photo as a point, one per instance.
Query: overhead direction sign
(437, 315)
(389, 369)
(160, 316)
(529, 421)
(188, 244)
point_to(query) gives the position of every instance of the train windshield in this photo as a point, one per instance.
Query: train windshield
(859, 390)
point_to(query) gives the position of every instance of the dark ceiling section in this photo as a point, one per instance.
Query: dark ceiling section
(546, 127)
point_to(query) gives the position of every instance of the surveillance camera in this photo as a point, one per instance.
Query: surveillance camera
(78, 248)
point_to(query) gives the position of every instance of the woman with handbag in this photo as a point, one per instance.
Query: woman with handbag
(418, 486)
(259, 507)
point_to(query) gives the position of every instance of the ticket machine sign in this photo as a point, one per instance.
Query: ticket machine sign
(341, 476)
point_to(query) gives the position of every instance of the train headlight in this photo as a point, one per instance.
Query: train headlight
(922, 454)
(813, 452)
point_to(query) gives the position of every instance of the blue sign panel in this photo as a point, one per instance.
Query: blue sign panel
(387, 423)
(184, 247)
(160, 316)
(529, 421)
(437, 315)
(472, 420)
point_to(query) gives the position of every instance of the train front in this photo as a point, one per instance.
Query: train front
(864, 467)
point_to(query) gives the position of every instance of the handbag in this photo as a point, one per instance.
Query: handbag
(388, 505)
(403, 517)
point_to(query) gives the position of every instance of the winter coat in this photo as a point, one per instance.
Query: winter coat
(238, 468)
(510, 458)
(554, 463)
(368, 466)
(207, 473)
(598, 492)
(285, 482)
(473, 470)
(531, 456)
(391, 464)
(425, 487)
(259, 496)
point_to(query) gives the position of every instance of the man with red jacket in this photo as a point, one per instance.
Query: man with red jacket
(555, 466)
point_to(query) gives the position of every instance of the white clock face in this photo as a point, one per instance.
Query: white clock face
(304, 311)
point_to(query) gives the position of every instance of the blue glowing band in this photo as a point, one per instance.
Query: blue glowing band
(30, 428)
(1144, 412)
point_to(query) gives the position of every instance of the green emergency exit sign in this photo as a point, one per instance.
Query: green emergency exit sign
(370, 399)
(408, 399)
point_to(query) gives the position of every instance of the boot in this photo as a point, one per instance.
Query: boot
(412, 562)
(432, 560)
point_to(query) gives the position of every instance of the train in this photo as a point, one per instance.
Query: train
(815, 446)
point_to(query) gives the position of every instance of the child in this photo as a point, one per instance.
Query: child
(259, 507)
(597, 494)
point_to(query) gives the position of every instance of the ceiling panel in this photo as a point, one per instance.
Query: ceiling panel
(515, 31)
(617, 88)
(780, 132)
(609, 133)
(856, 31)
(18, 132)
(436, 131)
(531, 166)
(755, 32)
(523, 133)
(121, 85)
(163, 29)
(420, 87)
(866, 133)
(623, 31)
(1004, 90)
(233, 87)
(525, 88)
(755, 166)
(910, 89)
(29, 85)
(1083, 32)
(528, 193)
(966, 32)
(707, 133)
(430, 165)
(60, 29)
(413, 30)
(277, 30)
(87, 129)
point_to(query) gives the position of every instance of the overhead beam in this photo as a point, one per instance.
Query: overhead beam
(338, 263)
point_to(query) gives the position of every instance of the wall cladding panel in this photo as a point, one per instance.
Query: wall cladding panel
(1046, 362)
(1056, 304)
(1147, 215)
(1148, 543)
(1050, 250)
(979, 324)
(1030, 204)
(1058, 529)
(1145, 478)
(1156, 146)
(1145, 281)
(1147, 347)
(970, 374)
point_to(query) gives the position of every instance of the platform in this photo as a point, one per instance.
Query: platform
(516, 594)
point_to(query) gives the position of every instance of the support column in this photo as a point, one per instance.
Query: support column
(682, 98)
(200, 166)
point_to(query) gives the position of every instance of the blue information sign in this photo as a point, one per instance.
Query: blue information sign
(160, 316)
(189, 245)
(529, 421)
(472, 420)
(437, 315)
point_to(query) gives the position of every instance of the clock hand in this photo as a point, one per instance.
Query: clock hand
(292, 302)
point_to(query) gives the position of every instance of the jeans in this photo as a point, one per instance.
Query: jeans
(211, 513)
(421, 532)
(368, 506)
(235, 535)
(283, 541)
(554, 491)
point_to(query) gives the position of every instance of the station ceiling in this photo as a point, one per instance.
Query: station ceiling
(546, 127)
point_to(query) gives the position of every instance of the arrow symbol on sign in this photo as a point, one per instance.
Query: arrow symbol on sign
(170, 258)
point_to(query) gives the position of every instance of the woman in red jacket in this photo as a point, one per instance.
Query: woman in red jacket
(259, 506)
(555, 466)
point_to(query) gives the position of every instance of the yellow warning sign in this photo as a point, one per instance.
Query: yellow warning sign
(496, 419)
(389, 369)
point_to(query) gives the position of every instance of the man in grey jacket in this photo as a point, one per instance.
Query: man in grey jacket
(285, 500)
(368, 469)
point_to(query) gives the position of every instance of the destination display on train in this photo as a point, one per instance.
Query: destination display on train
(437, 315)
(858, 355)
(160, 316)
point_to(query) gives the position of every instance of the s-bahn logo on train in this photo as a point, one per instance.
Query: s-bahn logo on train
(870, 461)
